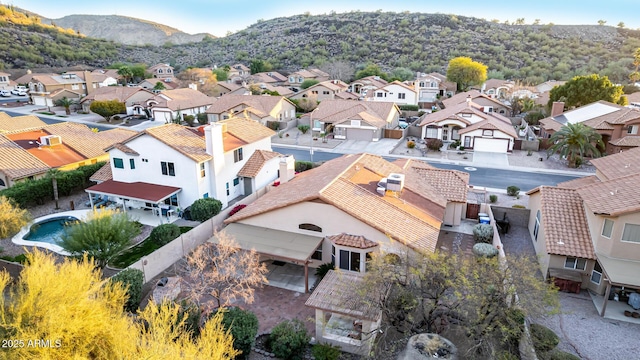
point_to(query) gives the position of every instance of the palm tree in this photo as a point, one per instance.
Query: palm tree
(126, 73)
(574, 141)
(53, 174)
(66, 103)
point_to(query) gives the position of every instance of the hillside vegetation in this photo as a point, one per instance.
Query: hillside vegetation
(419, 42)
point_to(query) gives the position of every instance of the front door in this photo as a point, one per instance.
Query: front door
(247, 186)
(445, 134)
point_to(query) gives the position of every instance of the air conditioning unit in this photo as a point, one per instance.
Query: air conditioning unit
(395, 182)
(50, 140)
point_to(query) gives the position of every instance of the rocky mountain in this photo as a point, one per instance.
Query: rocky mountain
(125, 30)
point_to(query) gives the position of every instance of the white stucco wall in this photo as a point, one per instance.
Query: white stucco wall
(496, 135)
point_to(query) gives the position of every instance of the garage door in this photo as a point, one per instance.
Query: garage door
(359, 134)
(491, 145)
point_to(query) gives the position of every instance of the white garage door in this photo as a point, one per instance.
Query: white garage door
(359, 134)
(491, 145)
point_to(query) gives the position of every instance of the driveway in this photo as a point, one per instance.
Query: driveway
(381, 147)
(490, 159)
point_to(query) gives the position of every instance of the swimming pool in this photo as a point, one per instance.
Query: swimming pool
(50, 230)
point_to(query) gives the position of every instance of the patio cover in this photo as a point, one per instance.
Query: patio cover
(282, 244)
(134, 191)
(621, 272)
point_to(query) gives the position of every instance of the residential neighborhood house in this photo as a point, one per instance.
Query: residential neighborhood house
(257, 107)
(295, 79)
(396, 92)
(133, 98)
(326, 90)
(176, 104)
(489, 104)
(163, 72)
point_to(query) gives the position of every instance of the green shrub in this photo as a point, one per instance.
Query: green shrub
(561, 355)
(323, 269)
(493, 198)
(21, 259)
(434, 144)
(544, 339)
(484, 250)
(303, 166)
(483, 233)
(303, 128)
(513, 190)
(165, 233)
(132, 279)
(518, 206)
(191, 313)
(273, 125)
(289, 339)
(205, 209)
(411, 144)
(190, 120)
(202, 119)
(409, 107)
(244, 327)
(325, 352)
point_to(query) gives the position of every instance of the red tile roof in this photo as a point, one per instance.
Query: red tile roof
(137, 190)
(354, 241)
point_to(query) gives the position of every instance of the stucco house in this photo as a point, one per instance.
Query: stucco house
(224, 88)
(295, 79)
(497, 88)
(238, 73)
(28, 153)
(171, 104)
(326, 90)
(469, 123)
(489, 104)
(354, 120)
(174, 165)
(271, 77)
(133, 98)
(44, 89)
(587, 231)
(618, 125)
(4, 80)
(260, 108)
(365, 86)
(162, 71)
(396, 92)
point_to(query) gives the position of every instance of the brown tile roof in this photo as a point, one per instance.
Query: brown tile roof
(550, 124)
(103, 174)
(124, 148)
(634, 97)
(452, 184)
(247, 130)
(627, 141)
(349, 184)
(564, 223)
(491, 123)
(269, 77)
(255, 163)
(120, 93)
(461, 98)
(337, 293)
(495, 83)
(613, 197)
(184, 98)
(81, 139)
(452, 112)
(18, 163)
(579, 182)
(396, 82)
(354, 241)
(185, 140)
(260, 102)
(620, 164)
(8, 123)
(338, 111)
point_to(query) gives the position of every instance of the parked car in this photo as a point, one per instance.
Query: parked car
(4, 93)
(19, 92)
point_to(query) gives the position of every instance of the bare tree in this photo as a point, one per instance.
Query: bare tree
(339, 70)
(309, 103)
(223, 271)
(205, 79)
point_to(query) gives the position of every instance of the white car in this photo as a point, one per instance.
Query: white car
(4, 93)
(19, 92)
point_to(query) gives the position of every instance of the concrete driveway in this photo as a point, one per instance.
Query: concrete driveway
(490, 159)
(381, 147)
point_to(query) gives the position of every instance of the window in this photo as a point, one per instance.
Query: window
(596, 274)
(487, 132)
(132, 163)
(355, 122)
(631, 233)
(310, 227)
(632, 129)
(333, 255)
(118, 163)
(432, 132)
(536, 226)
(205, 195)
(145, 160)
(75, 87)
(159, 71)
(172, 200)
(467, 141)
(401, 95)
(317, 255)
(168, 168)
(421, 84)
(607, 228)
(237, 155)
(202, 173)
(314, 92)
(379, 94)
(227, 189)
(349, 260)
(575, 263)
(236, 181)
(325, 92)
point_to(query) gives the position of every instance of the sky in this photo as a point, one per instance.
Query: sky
(219, 17)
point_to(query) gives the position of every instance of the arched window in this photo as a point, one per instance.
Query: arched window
(310, 227)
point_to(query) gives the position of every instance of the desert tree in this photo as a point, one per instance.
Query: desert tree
(223, 271)
(66, 103)
(602, 22)
(339, 70)
(574, 142)
(466, 72)
(205, 79)
(583, 90)
(12, 217)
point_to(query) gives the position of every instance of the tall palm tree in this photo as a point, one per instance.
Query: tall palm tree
(66, 103)
(53, 174)
(574, 141)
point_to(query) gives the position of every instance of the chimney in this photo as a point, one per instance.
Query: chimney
(193, 86)
(469, 100)
(557, 108)
(88, 81)
(213, 168)
(287, 168)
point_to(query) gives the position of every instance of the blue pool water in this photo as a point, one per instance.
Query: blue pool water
(49, 230)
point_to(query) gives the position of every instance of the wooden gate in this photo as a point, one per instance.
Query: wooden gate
(473, 210)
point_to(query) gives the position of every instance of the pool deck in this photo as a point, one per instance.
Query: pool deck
(18, 238)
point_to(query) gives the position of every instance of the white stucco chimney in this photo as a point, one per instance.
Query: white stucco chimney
(287, 168)
(215, 148)
(468, 100)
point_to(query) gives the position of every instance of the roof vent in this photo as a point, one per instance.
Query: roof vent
(50, 140)
(395, 182)
(381, 190)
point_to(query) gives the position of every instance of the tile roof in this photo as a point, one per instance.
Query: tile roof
(349, 183)
(564, 222)
(120, 93)
(269, 77)
(579, 182)
(264, 103)
(613, 197)
(495, 83)
(550, 124)
(630, 141)
(396, 82)
(354, 241)
(124, 148)
(338, 111)
(452, 184)
(81, 139)
(461, 98)
(183, 139)
(184, 98)
(18, 163)
(491, 123)
(337, 293)
(620, 164)
(255, 163)
(9, 123)
(247, 130)
(453, 112)
(103, 174)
